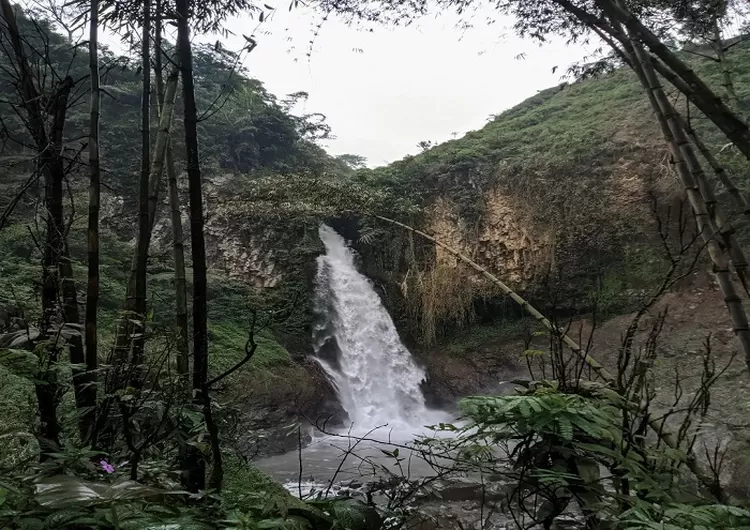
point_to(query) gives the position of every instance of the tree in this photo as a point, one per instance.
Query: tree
(50, 165)
(138, 306)
(353, 161)
(425, 145)
(88, 381)
(181, 314)
(194, 465)
(705, 22)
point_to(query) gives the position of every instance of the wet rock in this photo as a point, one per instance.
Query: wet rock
(271, 441)
(22, 339)
(300, 394)
(467, 492)
(11, 318)
(568, 522)
(738, 485)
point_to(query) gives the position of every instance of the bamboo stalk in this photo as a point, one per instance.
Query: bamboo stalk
(88, 419)
(704, 220)
(178, 246)
(721, 173)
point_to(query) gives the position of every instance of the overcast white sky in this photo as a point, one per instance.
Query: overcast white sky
(386, 90)
(428, 81)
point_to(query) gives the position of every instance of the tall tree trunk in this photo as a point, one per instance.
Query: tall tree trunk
(675, 136)
(180, 279)
(144, 232)
(194, 464)
(148, 214)
(75, 342)
(47, 390)
(51, 167)
(178, 247)
(163, 154)
(88, 379)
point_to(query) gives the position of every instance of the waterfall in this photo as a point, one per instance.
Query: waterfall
(375, 375)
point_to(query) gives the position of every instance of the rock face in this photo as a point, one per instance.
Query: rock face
(499, 240)
(272, 404)
(244, 252)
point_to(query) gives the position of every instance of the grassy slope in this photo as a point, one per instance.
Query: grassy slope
(563, 129)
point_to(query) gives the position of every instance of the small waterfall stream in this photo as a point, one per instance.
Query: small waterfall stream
(377, 380)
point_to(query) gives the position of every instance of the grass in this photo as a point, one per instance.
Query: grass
(227, 346)
(17, 411)
(247, 488)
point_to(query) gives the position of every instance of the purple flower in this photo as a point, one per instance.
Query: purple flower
(106, 466)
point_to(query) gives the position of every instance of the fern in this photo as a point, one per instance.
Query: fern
(647, 516)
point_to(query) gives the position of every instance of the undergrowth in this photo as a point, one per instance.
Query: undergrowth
(488, 335)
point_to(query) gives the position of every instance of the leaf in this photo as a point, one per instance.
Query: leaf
(566, 428)
(30, 523)
(281, 523)
(60, 491)
(352, 514)
(262, 16)
(588, 469)
(523, 406)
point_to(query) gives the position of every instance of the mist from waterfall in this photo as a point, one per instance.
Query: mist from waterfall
(376, 377)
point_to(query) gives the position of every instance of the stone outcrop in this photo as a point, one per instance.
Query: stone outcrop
(500, 240)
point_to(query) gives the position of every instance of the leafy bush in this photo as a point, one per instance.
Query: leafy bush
(572, 446)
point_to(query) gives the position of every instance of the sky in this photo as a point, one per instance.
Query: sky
(385, 91)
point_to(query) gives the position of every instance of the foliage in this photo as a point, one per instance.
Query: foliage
(581, 442)
(227, 342)
(684, 516)
(469, 340)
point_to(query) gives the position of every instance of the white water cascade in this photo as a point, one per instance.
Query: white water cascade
(375, 375)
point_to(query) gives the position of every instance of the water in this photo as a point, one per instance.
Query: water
(376, 378)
